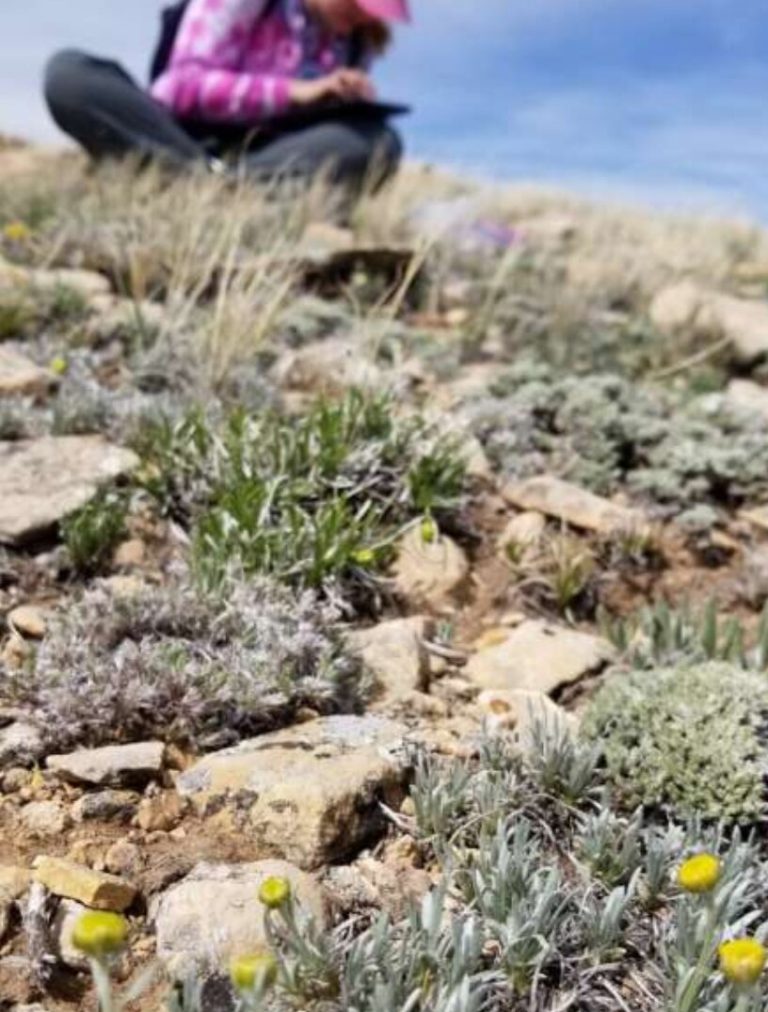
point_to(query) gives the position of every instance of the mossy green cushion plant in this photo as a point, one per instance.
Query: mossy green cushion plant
(690, 739)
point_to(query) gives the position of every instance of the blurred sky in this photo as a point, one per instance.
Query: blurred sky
(662, 101)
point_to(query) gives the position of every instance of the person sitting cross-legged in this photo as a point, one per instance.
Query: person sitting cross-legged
(267, 80)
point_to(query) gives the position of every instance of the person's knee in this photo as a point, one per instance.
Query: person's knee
(63, 80)
(387, 152)
(370, 153)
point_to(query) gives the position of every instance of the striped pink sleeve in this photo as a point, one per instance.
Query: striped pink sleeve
(202, 80)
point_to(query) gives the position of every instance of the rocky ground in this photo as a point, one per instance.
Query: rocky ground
(237, 626)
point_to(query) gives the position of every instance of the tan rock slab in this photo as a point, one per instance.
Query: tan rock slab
(687, 306)
(519, 711)
(745, 322)
(28, 620)
(329, 367)
(44, 818)
(311, 793)
(20, 744)
(112, 764)
(522, 536)
(683, 305)
(394, 654)
(20, 377)
(14, 880)
(214, 914)
(572, 505)
(44, 480)
(539, 657)
(429, 571)
(85, 283)
(748, 396)
(76, 882)
(321, 237)
(758, 516)
(161, 812)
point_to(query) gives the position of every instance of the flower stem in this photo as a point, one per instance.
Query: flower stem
(103, 986)
(699, 975)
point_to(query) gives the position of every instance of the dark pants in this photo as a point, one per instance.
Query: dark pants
(99, 105)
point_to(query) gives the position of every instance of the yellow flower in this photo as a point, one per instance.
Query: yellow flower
(98, 933)
(742, 960)
(17, 231)
(699, 874)
(275, 892)
(249, 972)
(58, 365)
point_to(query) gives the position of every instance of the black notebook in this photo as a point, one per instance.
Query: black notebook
(224, 135)
(345, 111)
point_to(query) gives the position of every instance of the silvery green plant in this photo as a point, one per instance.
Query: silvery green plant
(661, 636)
(609, 434)
(564, 767)
(175, 662)
(611, 845)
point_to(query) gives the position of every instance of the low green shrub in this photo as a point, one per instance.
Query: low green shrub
(610, 435)
(307, 500)
(92, 533)
(689, 740)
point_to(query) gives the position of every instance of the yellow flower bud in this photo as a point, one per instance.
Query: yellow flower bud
(742, 960)
(275, 892)
(699, 874)
(249, 972)
(16, 231)
(58, 365)
(98, 933)
(429, 531)
(364, 556)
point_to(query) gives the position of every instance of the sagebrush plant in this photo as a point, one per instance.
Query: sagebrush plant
(608, 434)
(180, 664)
(305, 499)
(547, 899)
(689, 740)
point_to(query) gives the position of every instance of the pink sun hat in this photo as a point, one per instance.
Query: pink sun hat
(386, 10)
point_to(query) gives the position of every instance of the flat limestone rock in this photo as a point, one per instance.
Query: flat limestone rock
(112, 764)
(20, 377)
(214, 914)
(682, 305)
(745, 322)
(747, 396)
(519, 711)
(539, 657)
(429, 572)
(688, 307)
(328, 367)
(572, 505)
(394, 653)
(309, 794)
(44, 480)
(758, 516)
(76, 882)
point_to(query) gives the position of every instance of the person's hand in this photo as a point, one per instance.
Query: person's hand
(344, 84)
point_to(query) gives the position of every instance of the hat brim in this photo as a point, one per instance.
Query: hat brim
(386, 10)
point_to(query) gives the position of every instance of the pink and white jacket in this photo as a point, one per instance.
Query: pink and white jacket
(233, 60)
